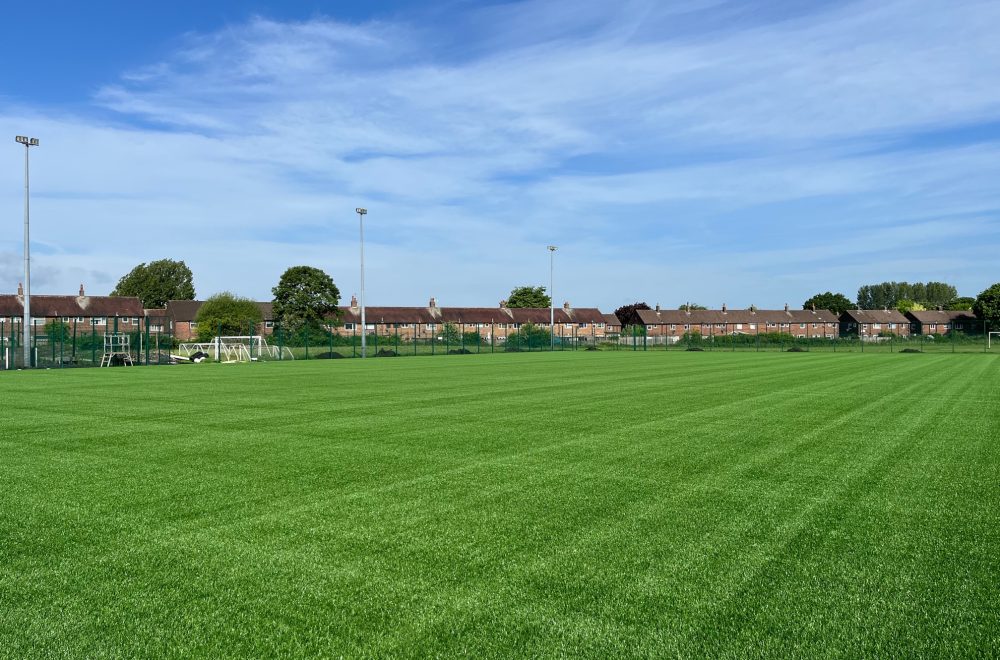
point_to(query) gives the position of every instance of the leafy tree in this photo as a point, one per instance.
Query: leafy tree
(629, 314)
(987, 304)
(906, 305)
(961, 303)
(57, 331)
(886, 295)
(837, 303)
(305, 297)
(691, 306)
(157, 282)
(226, 314)
(450, 333)
(938, 294)
(529, 296)
(528, 336)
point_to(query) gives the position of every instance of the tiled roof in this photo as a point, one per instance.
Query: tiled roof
(470, 315)
(717, 316)
(74, 306)
(941, 316)
(873, 316)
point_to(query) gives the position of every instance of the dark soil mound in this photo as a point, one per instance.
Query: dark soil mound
(329, 355)
(385, 353)
(796, 349)
(459, 351)
(694, 348)
(911, 350)
(593, 348)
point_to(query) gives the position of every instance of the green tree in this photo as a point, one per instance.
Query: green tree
(961, 303)
(57, 331)
(691, 306)
(938, 294)
(305, 297)
(450, 333)
(157, 282)
(987, 304)
(837, 303)
(629, 314)
(226, 314)
(528, 296)
(906, 305)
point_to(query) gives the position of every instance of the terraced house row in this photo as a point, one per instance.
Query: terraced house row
(587, 324)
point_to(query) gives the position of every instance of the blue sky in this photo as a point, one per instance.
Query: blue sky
(711, 151)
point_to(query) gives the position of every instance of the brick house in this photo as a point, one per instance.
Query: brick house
(870, 323)
(96, 313)
(492, 323)
(940, 322)
(675, 323)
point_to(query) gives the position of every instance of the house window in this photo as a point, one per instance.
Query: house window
(784, 325)
(80, 319)
(369, 326)
(348, 326)
(772, 325)
(653, 327)
(136, 320)
(429, 326)
(97, 320)
(194, 324)
(268, 324)
(802, 326)
(501, 326)
(581, 325)
(753, 326)
(892, 326)
(673, 326)
(65, 319)
(877, 326)
(739, 326)
(687, 326)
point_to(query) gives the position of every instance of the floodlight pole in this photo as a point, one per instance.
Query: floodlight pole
(364, 328)
(26, 321)
(552, 299)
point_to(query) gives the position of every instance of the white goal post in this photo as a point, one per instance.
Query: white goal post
(237, 348)
(989, 338)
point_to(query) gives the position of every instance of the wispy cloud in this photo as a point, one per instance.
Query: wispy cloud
(727, 139)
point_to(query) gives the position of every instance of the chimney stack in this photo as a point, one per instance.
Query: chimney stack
(687, 308)
(786, 307)
(657, 308)
(503, 304)
(566, 306)
(20, 290)
(354, 302)
(724, 308)
(433, 303)
(82, 294)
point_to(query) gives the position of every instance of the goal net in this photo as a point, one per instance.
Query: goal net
(237, 348)
(992, 336)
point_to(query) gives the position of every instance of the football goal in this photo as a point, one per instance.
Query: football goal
(989, 338)
(243, 348)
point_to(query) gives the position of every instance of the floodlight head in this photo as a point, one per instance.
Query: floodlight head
(26, 141)
(361, 211)
(552, 248)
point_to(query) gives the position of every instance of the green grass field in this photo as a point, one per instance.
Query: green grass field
(597, 504)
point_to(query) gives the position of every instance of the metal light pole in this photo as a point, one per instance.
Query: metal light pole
(26, 322)
(552, 300)
(364, 328)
